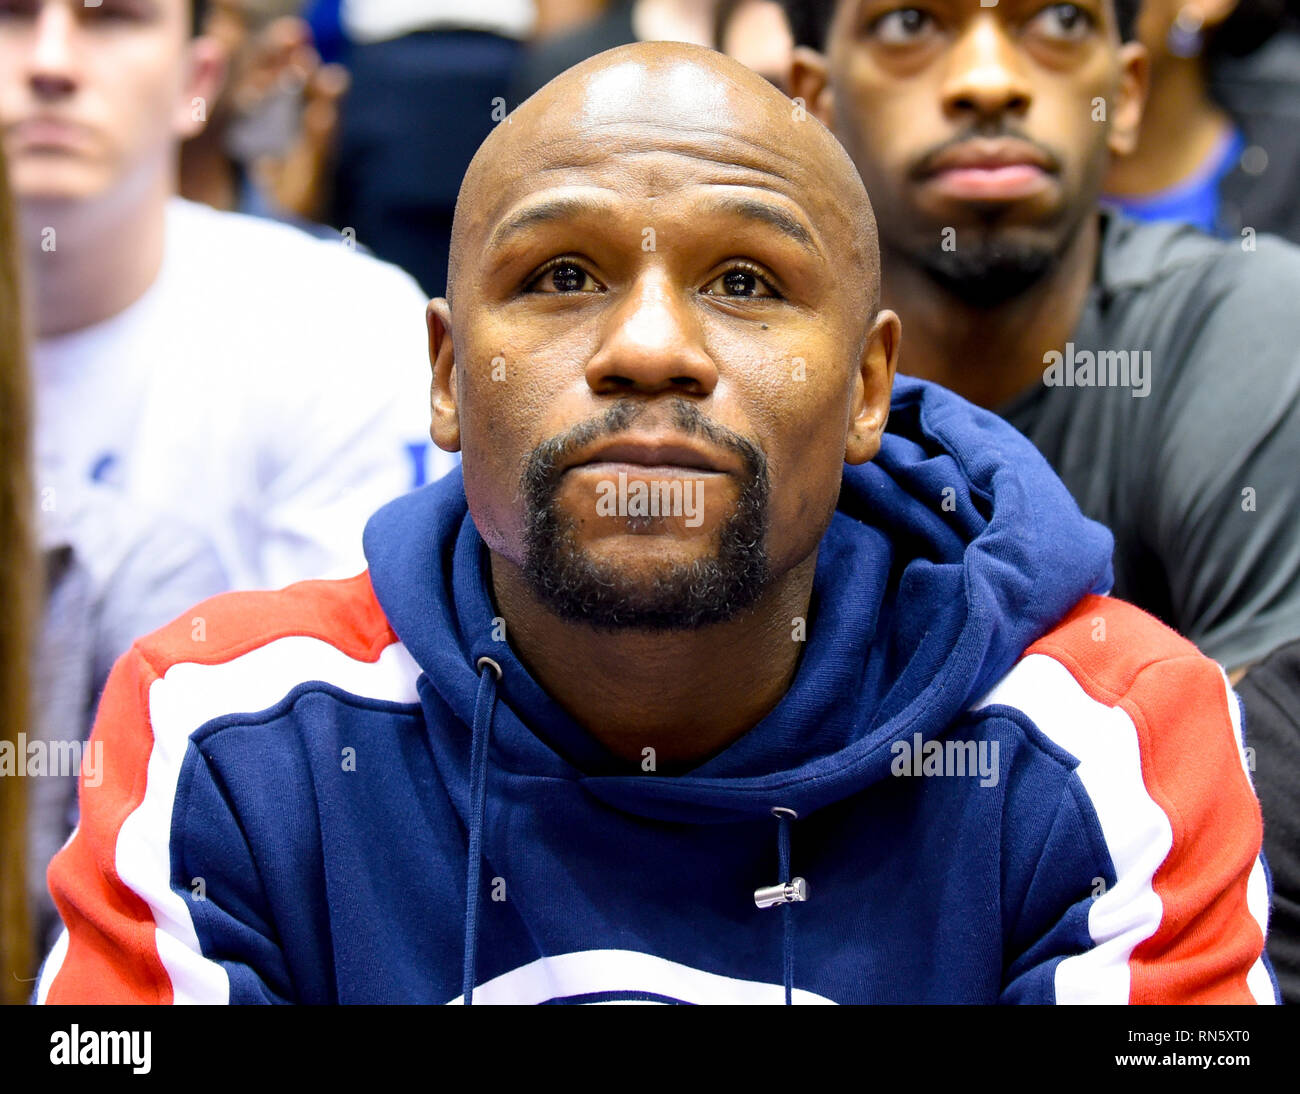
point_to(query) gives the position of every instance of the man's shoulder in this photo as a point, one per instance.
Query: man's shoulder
(1137, 256)
(253, 253)
(265, 643)
(1151, 733)
(1184, 302)
(1108, 662)
(265, 293)
(1138, 710)
(1107, 644)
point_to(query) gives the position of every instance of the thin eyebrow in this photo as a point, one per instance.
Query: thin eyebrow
(571, 208)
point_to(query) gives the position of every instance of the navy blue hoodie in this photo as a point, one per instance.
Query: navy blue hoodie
(977, 775)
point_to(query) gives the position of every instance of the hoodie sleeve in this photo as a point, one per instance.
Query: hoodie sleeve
(1160, 812)
(157, 862)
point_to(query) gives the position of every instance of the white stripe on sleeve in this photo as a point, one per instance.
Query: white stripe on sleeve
(188, 696)
(1136, 830)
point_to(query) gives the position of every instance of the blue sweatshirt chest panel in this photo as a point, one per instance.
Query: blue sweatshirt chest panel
(947, 556)
(918, 889)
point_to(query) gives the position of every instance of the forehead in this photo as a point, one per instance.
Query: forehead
(650, 160)
(643, 135)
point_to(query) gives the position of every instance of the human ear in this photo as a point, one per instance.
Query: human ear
(205, 73)
(808, 81)
(445, 427)
(872, 388)
(1126, 117)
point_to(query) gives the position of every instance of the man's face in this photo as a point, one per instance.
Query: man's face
(656, 295)
(91, 95)
(982, 133)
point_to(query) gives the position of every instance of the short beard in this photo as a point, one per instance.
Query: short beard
(989, 272)
(685, 596)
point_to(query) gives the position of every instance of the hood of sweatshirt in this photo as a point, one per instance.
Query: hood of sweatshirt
(948, 554)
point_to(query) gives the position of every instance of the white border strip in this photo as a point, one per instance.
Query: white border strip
(595, 971)
(1257, 980)
(187, 697)
(1137, 832)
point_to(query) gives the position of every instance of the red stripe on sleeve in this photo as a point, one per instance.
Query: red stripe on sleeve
(343, 613)
(111, 954)
(1207, 940)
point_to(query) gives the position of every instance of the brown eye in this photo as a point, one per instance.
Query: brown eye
(124, 11)
(567, 278)
(564, 276)
(741, 282)
(1063, 23)
(902, 26)
(17, 9)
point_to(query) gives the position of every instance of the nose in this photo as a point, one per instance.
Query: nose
(652, 342)
(985, 76)
(50, 66)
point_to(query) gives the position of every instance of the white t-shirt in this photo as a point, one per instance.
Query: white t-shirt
(379, 20)
(270, 389)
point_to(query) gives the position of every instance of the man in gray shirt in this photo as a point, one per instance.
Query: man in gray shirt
(1157, 369)
(1194, 459)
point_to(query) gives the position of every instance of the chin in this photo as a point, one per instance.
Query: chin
(644, 558)
(44, 182)
(994, 259)
(646, 588)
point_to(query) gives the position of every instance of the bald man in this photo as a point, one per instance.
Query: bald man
(697, 684)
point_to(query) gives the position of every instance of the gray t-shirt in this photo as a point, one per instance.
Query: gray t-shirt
(1173, 416)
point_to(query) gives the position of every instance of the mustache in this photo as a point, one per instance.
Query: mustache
(546, 463)
(923, 165)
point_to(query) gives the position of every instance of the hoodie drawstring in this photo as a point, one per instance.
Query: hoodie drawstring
(484, 707)
(785, 893)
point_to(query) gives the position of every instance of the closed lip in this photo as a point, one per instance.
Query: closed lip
(50, 129)
(651, 452)
(987, 155)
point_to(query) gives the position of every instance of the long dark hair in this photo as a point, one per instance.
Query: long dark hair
(18, 579)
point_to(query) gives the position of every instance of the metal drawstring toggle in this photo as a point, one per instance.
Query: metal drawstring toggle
(786, 892)
(793, 891)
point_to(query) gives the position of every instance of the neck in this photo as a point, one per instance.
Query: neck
(101, 256)
(685, 694)
(673, 21)
(1181, 125)
(989, 355)
(207, 174)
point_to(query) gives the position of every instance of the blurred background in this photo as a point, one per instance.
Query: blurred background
(365, 113)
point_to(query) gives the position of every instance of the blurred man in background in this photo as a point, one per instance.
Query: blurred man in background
(221, 401)
(1156, 368)
(983, 135)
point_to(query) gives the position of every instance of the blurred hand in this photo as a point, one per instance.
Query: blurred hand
(284, 57)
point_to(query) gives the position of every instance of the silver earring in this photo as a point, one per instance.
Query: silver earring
(1185, 38)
